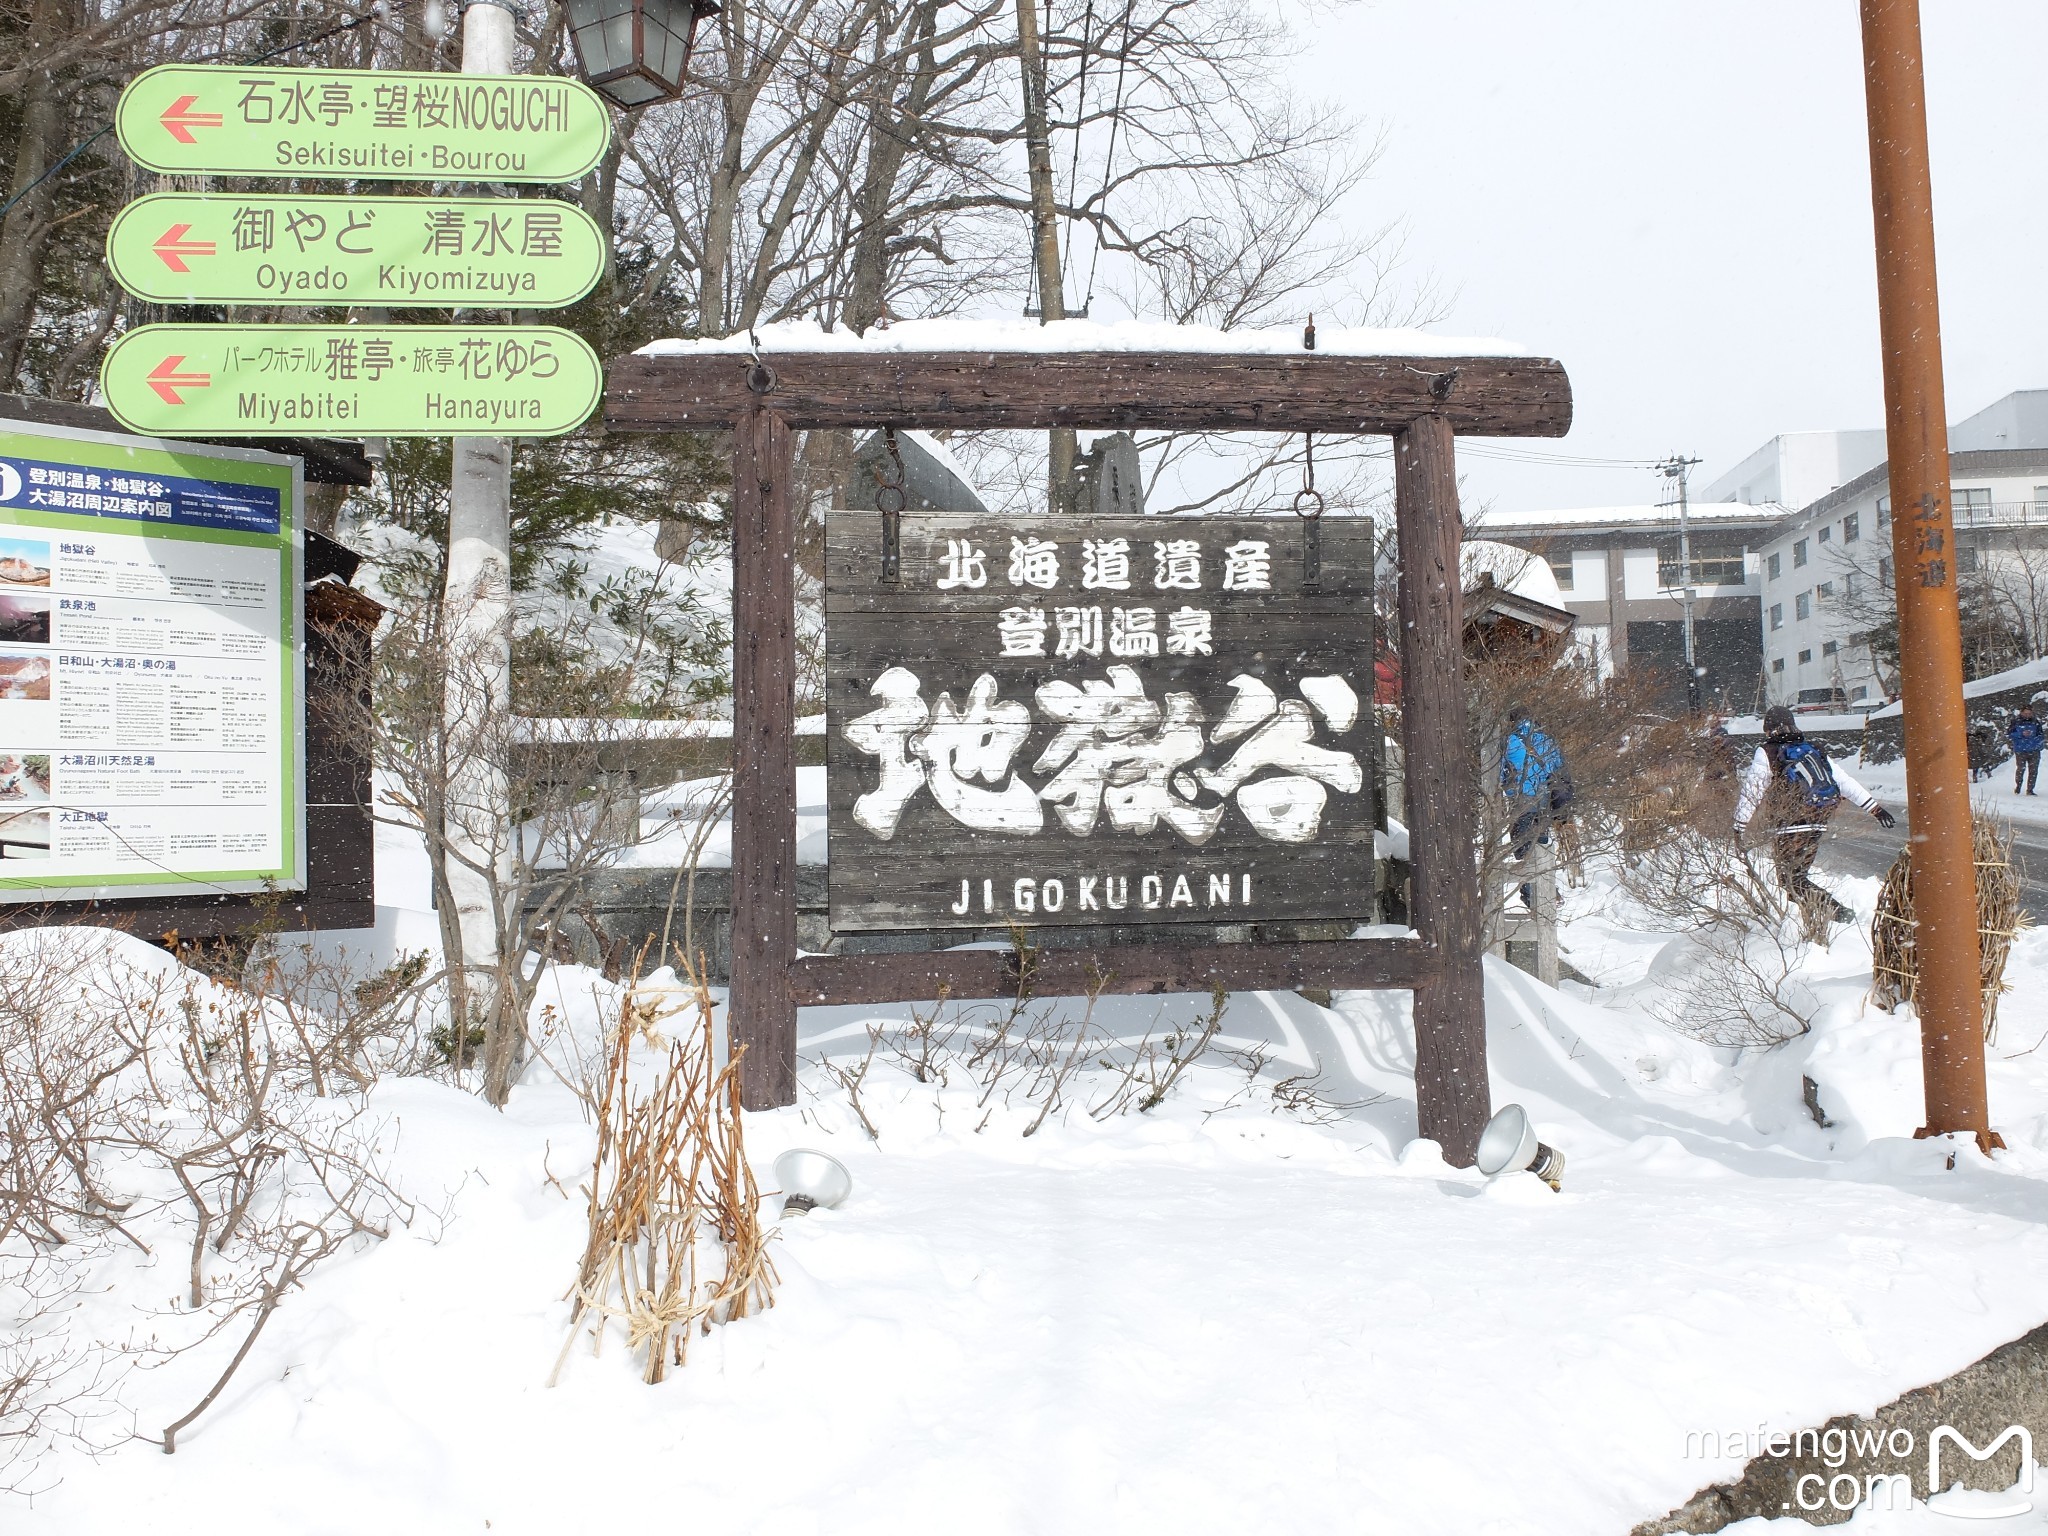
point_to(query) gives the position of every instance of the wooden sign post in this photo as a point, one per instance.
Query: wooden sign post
(1421, 402)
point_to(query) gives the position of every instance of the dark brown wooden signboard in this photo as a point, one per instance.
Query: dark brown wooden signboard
(767, 399)
(1083, 720)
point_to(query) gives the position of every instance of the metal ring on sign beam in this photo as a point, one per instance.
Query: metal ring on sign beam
(1308, 506)
(760, 378)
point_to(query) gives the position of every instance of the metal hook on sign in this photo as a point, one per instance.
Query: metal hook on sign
(890, 499)
(760, 377)
(1308, 506)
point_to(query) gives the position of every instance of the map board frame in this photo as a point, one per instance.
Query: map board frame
(1423, 402)
(133, 457)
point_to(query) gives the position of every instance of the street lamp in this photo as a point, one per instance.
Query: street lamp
(636, 52)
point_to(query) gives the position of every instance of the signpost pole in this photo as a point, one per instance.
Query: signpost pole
(1453, 1097)
(761, 1010)
(1948, 996)
(477, 620)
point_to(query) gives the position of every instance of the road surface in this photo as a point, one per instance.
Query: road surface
(1856, 845)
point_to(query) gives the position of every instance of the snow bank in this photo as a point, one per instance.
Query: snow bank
(2027, 672)
(1237, 1313)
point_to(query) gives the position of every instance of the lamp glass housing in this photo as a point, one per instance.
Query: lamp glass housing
(636, 52)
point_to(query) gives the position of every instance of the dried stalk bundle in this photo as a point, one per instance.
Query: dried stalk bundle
(676, 1242)
(1895, 962)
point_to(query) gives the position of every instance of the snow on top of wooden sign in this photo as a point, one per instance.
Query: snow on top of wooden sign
(1011, 335)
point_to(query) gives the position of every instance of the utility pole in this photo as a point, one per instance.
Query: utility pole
(1063, 448)
(477, 632)
(1947, 995)
(1676, 468)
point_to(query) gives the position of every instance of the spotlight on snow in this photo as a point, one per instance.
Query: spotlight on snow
(811, 1179)
(1509, 1144)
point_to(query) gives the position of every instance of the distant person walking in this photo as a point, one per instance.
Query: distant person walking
(2024, 733)
(1797, 788)
(1539, 787)
(1980, 749)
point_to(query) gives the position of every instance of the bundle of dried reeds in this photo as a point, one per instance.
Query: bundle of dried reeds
(2000, 917)
(675, 1241)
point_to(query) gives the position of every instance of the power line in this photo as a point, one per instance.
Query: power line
(1518, 455)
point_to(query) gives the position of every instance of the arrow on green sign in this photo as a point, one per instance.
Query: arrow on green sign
(226, 248)
(346, 123)
(351, 380)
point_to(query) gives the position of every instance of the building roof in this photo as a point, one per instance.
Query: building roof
(1660, 516)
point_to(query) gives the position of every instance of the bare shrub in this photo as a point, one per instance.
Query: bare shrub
(1156, 1065)
(145, 1106)
(675, 1239)
(1745, 940)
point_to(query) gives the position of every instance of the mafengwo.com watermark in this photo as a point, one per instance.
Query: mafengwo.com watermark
(1867, 1467)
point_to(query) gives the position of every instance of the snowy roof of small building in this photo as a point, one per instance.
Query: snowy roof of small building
(1013, 335)
(1513, 570)
(1659, 515)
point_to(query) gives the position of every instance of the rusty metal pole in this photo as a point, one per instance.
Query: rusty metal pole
(1923, 565)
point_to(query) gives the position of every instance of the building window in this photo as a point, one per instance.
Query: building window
(1852, 583)
(2040, 499)
(1824, 590)
(1884, 571)
(1561, 570)
(1972, 498)
(1860, 691)
(1884, 510)
(1777, 615)
(1805, 657)
(1966, 558)
(1827, 532)
(1710, 568)
(1777, 566)
(1852, 527)
(1778, 665)
(1829, 647)
(1798, 553)
(1802, 606)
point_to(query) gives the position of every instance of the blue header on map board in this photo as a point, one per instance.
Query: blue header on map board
(51, 486)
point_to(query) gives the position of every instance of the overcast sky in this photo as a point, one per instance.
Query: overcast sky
(1674, 200)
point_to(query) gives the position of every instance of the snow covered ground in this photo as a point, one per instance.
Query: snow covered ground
(1247, 1310)
(1992, 795)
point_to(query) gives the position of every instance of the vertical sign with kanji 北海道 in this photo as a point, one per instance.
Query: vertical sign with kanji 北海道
(1098, 721)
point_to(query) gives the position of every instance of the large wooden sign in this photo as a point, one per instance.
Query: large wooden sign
(1107, 721)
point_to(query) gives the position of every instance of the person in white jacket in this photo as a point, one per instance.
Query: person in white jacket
(1797, 787)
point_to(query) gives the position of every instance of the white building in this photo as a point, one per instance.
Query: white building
(1824, 563)
(1795, 469)
(1617, 571)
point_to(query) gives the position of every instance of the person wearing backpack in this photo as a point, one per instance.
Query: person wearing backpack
(1797, 788)
(1538, 787)
(2024, 735)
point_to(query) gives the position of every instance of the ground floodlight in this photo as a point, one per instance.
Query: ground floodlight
(1509, 1144)
(810, 1179)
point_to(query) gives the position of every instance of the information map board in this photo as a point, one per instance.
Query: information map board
(151, 715)
(1098, 720)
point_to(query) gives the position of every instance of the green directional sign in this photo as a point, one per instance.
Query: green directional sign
(231, 248)
(351, 380)
(347, 123)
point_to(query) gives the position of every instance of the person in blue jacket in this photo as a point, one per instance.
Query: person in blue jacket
(1538, 786)
(2025, 735)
